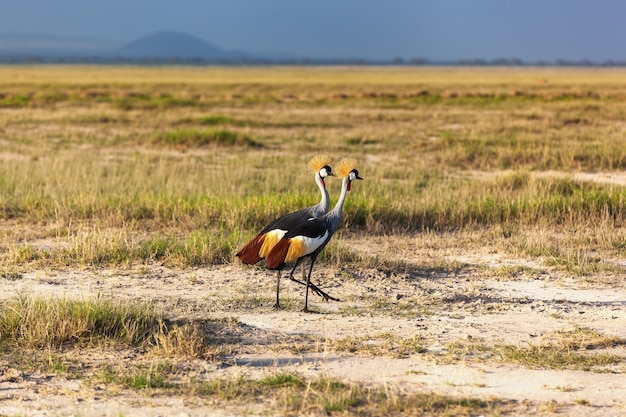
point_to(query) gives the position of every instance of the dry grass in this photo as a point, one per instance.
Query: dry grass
(92, 158)
(579, 349)
(30, 324)
(119, 166)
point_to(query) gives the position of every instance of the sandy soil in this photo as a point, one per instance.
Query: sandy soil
(460, 306)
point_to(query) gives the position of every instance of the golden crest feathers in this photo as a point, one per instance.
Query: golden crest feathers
(318, 162)
(344, 167)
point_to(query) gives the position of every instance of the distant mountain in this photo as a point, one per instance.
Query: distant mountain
(175, 45)
(160, 46)
(52, 45)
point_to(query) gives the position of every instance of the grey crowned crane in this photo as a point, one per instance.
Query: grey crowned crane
(258, 248)
(309, 238)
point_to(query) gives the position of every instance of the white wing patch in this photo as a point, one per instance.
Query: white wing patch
(312, 243)
(278, 233)
(300, 246)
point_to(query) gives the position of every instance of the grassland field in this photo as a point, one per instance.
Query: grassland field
(133, 183)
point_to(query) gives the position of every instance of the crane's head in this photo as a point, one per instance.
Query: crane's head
(346, 168)
(319, 164)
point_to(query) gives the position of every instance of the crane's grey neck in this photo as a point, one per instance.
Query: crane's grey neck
(322, 207)
(334, 216)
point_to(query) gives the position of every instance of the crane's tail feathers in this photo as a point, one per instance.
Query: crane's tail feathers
(249, 254)
(270, 239)
(260, 246)
(276, 258)
(296, 249)
(285, 250)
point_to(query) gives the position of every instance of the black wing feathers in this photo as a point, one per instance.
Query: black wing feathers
(287, 221)
(311, 228)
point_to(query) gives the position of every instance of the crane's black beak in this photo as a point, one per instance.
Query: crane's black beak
(358, 178)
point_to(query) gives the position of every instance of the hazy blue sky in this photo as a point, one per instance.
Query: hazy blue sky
(433, 29)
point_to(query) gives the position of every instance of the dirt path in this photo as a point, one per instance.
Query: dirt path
(449, 309)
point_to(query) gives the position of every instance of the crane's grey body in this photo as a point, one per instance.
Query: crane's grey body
(254, 251)
(312, 236)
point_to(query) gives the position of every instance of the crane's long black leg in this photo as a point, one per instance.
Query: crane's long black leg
(306, 295)
(277, 305)
(313, 287)
(308, 281)
(317, 290)
(294, 268)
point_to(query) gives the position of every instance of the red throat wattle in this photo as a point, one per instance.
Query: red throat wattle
(349, 185)
(323, 183)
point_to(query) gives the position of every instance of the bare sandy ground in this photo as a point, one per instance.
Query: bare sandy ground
(460, 306)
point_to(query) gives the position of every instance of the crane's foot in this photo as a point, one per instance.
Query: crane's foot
(277, 306)
(327, 297)
(316, 290)
(324, 295)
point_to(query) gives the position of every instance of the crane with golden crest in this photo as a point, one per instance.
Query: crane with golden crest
(308, 238)
(260, 246)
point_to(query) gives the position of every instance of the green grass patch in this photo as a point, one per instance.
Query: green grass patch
(143, 376)
(217, 119)
(152, 377)
(192, 138)
(282, 379)
(15, 101)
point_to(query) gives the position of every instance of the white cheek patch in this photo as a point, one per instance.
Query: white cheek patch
(352, 176)
(323, 173)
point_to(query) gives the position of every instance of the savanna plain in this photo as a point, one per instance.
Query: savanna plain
(479, 266)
